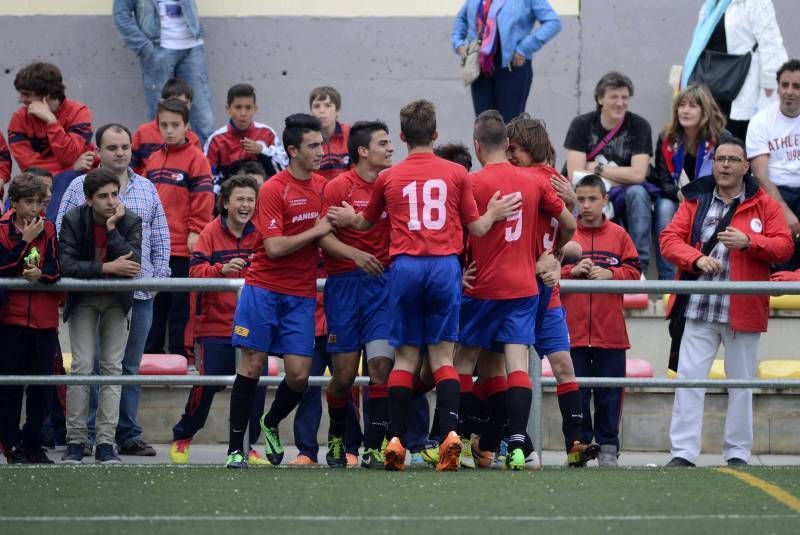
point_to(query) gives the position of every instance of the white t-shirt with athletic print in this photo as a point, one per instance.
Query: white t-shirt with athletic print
(771, 132)
(175, 34)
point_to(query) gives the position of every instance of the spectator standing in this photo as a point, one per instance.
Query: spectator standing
(49, 130)
(774, 153)
(616, 144)
(505, 32)
(727, 229)
(684, 151)
(98, 239)
(325, 103)
(596, 321)
(736, 27)
(139, 196)
(28, 320)
(167, 37)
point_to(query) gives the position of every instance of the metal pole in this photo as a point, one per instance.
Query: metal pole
(535, 416)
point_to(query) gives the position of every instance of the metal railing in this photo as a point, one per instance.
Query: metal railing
(535, 422)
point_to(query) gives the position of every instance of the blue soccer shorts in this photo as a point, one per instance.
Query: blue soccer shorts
(357, 310)
(552, 334)
(492, 323)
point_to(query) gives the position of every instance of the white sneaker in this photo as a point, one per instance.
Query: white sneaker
(532, 462)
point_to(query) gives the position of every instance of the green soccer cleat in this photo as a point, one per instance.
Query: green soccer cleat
(430, 454)
(236, 461)
(336, 455)
(466, 460)
(372, 459)
(515, 459)
(273, 449)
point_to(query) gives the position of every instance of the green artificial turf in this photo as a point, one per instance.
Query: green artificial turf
(167, 499)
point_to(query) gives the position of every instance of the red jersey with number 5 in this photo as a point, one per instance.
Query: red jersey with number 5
(505, 257)
(427, 199)
(286, 207)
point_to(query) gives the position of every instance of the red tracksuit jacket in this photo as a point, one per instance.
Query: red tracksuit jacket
(182, 177)
(225, 153)
(56, 146)
(36, 310)
(5, 161)
(336, 159)
(597, 320)
(147, 139)
(760, 217)
(217, 246)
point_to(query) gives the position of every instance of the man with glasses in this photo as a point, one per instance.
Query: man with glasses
(727, 229)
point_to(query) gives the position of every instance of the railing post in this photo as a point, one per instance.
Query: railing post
(535, 416)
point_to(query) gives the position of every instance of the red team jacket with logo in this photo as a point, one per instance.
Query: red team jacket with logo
(350, 187)
(147, 139)
(5, 161)
(335, 159)
(36, 310)
(597, 320)
(225, 153)
(286, 207)
(182, 177)
(216, 247)
(55, 147)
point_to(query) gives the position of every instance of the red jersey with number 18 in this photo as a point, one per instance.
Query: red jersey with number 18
(505, 256)
(427, 199)
(286, 207)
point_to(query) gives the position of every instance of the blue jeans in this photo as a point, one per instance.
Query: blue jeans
(162, 64)
(128, 429)
(639, 221)
(664, 212)
(505, 91)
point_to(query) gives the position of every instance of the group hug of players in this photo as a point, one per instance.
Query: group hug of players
(432, 272)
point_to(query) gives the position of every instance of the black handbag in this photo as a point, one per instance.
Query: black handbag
(723, 74)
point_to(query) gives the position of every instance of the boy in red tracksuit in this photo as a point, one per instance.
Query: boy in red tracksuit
(596, 322)
(147, 138)
(243, 139)
(325, 103)
(28, 320)
(182, 177)
(224, 250)
(5, 161)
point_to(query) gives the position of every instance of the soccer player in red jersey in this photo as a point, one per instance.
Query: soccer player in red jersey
(530, 146)
(427, 200)
(498, 311)
(275, 312)
(357, 296)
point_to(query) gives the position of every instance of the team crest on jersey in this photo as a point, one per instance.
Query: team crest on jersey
(241, 331)
(331, 338)
(272, 225)
(756, 224)
(178, 177)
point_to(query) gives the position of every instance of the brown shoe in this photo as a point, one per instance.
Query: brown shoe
(579, 454)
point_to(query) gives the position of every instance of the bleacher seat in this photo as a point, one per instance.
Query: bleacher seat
(635, 302)
(779, 369)
(717, 371)
(154, 364)
(784, 302)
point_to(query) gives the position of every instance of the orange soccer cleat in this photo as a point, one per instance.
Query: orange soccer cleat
(449, 453)
(394, 456)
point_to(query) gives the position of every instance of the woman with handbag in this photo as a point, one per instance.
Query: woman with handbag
(736, 50)
(684, 151)
(496, 41)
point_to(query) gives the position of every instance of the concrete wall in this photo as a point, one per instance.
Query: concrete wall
(378, 63)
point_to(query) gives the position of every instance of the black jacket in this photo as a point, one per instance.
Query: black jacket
(76, 242)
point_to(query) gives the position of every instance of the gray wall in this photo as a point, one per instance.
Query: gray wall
(379, 64)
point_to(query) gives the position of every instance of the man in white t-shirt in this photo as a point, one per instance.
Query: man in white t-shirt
(773, 147)
(168, 38)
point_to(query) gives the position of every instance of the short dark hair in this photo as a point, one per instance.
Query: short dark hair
(27, 185)
(323, 92)
(728, 139)
(39, 171)
(456, 153)
(418, 123)
(793, 65)
(175, 106)
(612, 80)
(592, 181)
(236, 181)
(252, 167)
(241, 91)
(360, 136)
(296, 126)
(42, 79)
(490, 130)
(115, 127)
(96, 179)
(177, 87)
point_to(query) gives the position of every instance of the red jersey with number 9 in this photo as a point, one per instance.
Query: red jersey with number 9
(505, 257)
(427, 199)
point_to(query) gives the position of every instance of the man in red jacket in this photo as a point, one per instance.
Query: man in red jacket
(596, 322)
(755, 237)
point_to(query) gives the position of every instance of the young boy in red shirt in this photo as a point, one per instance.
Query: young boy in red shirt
(182, 177)
(325, 103)
(28, 320)
(596, 321)
(427, 200)
(243, 139)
